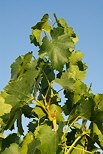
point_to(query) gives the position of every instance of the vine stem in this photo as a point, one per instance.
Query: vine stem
(40, 104)
(60, 90)
(71, 125)
(81, 149)
(54, 125)
(72, 146)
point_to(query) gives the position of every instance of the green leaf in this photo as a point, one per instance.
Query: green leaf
(4, 108)
(75, 73)
(65, 81)
(97, 116)
(58, 51)
(32, 125)
(100, 126)
(80, 88)
(13, 149)
(20, 65)
(37, 30)
(70, 80)
(68, 105)
(56, 32)
(19, 124)
(35, 37)
(73, 97)
(48, 76)
(27, 111)
(71, 137)
(14, 115)
(91, 145)
(20, 90)
(99, 101)
(11, 138)
(83, 110)
(10, 118)
(68, 30)
(32, 147)
(39, 111)
(48, 139)
(75, 57)
(26, 141)
(62, 22)
(96, 134)
(82, 66)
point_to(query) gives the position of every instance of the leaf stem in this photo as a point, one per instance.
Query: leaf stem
(60, 90)
(80, 149)
(39, 103)
(54, 125)
(72, 146)
(71, 125)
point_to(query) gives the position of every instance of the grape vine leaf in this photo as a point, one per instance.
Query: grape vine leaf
(75, 73)
(26, 141)
(96, 134)
(19, 123)
(100, 126)
(20, 90)
(48, 138)
(62, 22)
(99, 101)
(32, 147)
(14, 115)
(32, 125)
(39, 111)
(20, 65)
(73, 97)
(13, 149)
(68, 30)
(75, 57)
(11, 138)
(65, 81)
(37, 30)
(58, 51)
(27, 111)
(83, 110)
(4, 108)
(56, 32)
(48, 76)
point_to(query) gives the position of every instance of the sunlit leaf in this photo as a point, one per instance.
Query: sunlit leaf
(99, 101)
(13, 149)
(75, 57)
(38, 28)
(27, 140)
(4, 108)
(58, 51)
(49, 140)
(39, 111)
(65, 81)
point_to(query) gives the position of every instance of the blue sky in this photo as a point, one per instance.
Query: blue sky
(85, 16)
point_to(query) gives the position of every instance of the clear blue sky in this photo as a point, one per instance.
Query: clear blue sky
(85, 16)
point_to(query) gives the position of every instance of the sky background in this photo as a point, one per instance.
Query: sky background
(85, 16)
